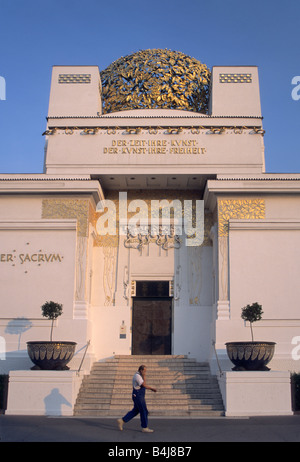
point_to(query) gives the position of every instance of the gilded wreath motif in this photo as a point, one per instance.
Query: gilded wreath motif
(155, 79)
(247, 209)
(68, 208)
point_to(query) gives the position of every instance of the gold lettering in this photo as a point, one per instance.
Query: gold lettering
(110, 150)
(183, 143)
(24, 258)
(56, 257)
(31, 258)
(5, 257)
(133, 151)
(158, 146)
(181, 150)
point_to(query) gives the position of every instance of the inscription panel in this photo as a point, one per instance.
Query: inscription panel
(158, 146)
(98, 150)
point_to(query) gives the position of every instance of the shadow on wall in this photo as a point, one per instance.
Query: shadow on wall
(17, 359)
(18, 326)
(54, 402)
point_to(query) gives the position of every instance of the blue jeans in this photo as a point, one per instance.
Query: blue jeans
(138, 397)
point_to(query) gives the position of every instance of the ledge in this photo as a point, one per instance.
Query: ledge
(264, 225)
(255, 393)
(51, 184)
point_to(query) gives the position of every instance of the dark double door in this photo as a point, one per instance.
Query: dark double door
(151, 326)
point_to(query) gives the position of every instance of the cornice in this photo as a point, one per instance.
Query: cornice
(27, 184)
(278, 184)
(121, 116)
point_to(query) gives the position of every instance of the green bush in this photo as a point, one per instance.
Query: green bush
(3, 391)
(295, 381)
(52, 310)
(252, 313)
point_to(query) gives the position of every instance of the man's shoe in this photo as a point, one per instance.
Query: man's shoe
(147, 430)
(120, 424)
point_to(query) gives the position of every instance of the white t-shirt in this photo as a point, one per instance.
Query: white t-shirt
(137, 381)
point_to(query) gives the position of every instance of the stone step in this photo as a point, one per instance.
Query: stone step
(137, 358)
(147, 361)
(168, 375)
(160, 377)
(153, 366)
(157, 413)
(163, 412)
(165, 362)
(150, 364)
(88, 391)
(154, 408)
(183, 387)
(123, 370)
(202, 387)
(173, 404)
(102, 385)
(187, 387)
(149, 398)
(154, 374)
(174, 399)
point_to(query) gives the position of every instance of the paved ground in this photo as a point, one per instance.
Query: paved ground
(81, 429)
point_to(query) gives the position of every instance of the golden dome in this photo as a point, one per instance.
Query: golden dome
(151, 79)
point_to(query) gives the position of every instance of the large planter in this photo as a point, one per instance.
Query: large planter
(51, 355)
(250, 356)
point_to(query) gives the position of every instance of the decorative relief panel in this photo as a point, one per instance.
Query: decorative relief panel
(80, 210)
(195, 276)
(189, 145)
(109, 274)
(247, 209)
(106, 241)
(68, 208)
(140, 241)
(74, 78)
(208, 223)
(235, 78)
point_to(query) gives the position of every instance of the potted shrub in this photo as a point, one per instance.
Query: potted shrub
(254, 355)
(51, 355)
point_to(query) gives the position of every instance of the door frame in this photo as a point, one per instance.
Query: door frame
(170, 297)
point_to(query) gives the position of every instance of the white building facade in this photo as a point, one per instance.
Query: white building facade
(147, 292)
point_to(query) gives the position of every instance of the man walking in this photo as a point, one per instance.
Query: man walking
(139, 388)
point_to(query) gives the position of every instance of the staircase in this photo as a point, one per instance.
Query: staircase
(184, 387)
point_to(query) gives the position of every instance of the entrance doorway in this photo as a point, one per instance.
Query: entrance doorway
(152, 319)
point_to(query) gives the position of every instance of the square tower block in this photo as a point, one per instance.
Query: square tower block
(235, 91)
(75, 91)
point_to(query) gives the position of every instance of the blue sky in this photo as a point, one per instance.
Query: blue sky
(35, 35)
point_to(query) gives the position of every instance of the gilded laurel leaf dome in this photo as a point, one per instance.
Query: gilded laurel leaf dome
(151, 79)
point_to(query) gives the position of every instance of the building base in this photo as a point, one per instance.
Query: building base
(43, 392)
(254, 393)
